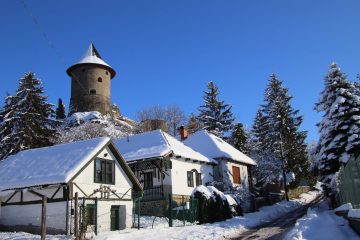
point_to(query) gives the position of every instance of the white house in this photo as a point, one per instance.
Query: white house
(233, 168)
(164, 165)
(94, 169)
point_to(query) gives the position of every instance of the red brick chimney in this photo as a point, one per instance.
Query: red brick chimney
(183, 133)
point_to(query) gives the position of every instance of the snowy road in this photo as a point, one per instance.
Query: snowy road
(277, 228)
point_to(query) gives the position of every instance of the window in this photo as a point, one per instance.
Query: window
(99, 79)
(198, 179)
(92, 91)
(107, 73)
(83, 70)
(148, 180)
(190, 179)
(236, 174)
(104, 171)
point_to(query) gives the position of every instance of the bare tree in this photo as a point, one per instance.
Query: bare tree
(173, 115)
(155, 112)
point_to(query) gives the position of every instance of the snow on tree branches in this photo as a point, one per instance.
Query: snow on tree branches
(239, 138)
(276, 131)
(339, 128)
(26, 118)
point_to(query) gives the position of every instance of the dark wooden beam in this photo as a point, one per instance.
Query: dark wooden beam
(12, 195)
(124, 193)
(33, 202)
(80, 190)
(57, 190)
(36, 193)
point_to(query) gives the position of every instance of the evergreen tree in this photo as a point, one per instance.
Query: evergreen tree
(5, 129)
(339, 128)
(239, 138)
(277, 135)
(215, 116)
(26, 122)
(286, 140)
(60, 110)
(260, 131)
(193, 124)
(268, 164)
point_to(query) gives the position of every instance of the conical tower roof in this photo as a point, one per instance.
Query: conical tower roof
(91, 56)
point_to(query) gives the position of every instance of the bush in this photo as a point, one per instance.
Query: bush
(214, 205)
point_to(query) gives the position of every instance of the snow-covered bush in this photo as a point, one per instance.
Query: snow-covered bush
(214, 205)
(87, 125)
(243, 198)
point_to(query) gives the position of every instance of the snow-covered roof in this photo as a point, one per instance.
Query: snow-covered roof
(48, 165)
(155, 144)
(92, 56)
(214, 147)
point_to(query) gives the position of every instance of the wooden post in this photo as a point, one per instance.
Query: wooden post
(43, 217)
(170, 210)
(139, 209)
(76, 224)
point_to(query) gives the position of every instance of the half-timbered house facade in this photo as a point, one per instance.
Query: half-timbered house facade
(87, 185)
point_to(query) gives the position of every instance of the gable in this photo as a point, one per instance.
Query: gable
(86, 178)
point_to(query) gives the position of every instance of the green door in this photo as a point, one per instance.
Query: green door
(115, 214)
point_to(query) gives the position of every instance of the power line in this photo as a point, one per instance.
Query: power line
(42, 31)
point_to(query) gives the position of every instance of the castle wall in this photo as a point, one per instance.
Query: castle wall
(90, 89)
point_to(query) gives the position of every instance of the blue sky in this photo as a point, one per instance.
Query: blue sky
(166, 51)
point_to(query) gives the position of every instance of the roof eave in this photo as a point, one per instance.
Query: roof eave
(111, 70)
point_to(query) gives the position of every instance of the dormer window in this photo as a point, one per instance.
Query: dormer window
(92, 91)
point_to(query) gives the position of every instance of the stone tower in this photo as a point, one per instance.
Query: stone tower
(90, 84)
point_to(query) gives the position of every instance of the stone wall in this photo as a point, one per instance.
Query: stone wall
(90, 89)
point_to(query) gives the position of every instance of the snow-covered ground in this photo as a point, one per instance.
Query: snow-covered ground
(219, 230)
(321, 223)
(28, 236)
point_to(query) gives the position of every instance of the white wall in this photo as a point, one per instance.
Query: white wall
(31, 215)
(179, 175)
(226, 169)
(103, 213)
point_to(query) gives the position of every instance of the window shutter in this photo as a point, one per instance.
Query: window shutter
(236, 174)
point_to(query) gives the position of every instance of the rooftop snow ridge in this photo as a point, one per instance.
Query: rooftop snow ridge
(214, 147)
(155, 144)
